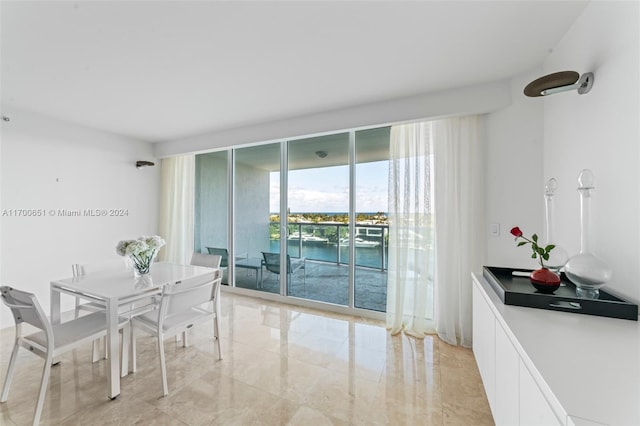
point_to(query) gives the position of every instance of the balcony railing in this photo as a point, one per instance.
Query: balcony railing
(329, 242)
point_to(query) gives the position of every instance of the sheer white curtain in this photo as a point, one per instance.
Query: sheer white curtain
(410, 273)
(435, 225)
(177, 192)
(459, 209)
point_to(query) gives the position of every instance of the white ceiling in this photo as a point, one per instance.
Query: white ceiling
(159, 71)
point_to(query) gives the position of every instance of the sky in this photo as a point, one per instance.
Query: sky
(326, 190)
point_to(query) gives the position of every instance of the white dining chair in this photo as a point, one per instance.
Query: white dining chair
(111, 265)
(181, 307)
(52, 340)
(207, 260)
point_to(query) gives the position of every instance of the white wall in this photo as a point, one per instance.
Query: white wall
(513, 175)
(51, 165)
(600, 131)
(535, 139)
(477, 99)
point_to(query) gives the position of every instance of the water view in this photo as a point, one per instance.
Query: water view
(325, 237)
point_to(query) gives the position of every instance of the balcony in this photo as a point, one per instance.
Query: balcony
(325, 246)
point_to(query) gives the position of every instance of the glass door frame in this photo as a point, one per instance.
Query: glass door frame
(352, 218)
(284, 216)
(231, 224)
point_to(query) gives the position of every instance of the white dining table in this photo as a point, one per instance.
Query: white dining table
(121, 288)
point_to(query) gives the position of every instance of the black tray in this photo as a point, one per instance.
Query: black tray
(515, 290)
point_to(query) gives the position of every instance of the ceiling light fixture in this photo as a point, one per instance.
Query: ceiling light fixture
(140, 164)
(321, 154)
(560, 82)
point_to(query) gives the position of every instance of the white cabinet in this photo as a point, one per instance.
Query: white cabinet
(514, 396)
(484, 343)
(534, 408)
(577, 370)
(507, 382)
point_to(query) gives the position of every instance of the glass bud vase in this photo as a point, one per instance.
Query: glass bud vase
(585, 270)
(558, 256)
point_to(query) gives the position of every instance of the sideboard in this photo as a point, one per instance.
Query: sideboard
(542, 367)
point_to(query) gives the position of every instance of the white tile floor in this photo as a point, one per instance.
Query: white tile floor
(281, 365)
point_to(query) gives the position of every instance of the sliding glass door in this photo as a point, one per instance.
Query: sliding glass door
(308, 217)
(211, 206)
(318, 218)
(371, 207)
(256, 208)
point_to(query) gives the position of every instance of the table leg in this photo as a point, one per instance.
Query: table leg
(55, 307)
(55, 313)
(112, 349)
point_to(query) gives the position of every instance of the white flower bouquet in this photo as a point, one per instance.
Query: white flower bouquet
(141, 251)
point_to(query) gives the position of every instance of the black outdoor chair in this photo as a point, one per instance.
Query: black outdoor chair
(223, 253)
(271, 261)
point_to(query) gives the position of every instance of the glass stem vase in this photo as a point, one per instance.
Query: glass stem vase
(558, 256)
(585, 270)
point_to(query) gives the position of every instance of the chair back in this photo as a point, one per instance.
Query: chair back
(272, 262)
(110, 265)
(180, 297)
(223, 253)
(25, 308)
(207, 260)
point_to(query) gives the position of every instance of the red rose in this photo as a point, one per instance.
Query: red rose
(516, 232)
(541, 252)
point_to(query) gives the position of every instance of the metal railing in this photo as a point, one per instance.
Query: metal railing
(329, 242)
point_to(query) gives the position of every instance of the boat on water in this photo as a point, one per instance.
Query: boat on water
(314, 239)
(360, 243)
(307, 238)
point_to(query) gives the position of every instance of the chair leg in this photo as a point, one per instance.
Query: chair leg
(163, 367)
(216, 334)
(132, 345)
(43, 388)
(124, 351)
(95, 351)
(10, 371)
(185, 343)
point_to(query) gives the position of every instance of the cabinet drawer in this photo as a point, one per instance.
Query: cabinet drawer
(484, 343)
(534, 408)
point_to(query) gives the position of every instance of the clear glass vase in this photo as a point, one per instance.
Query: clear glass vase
(142, 264)
(558, 256)
(585, 270)
(140, 272)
